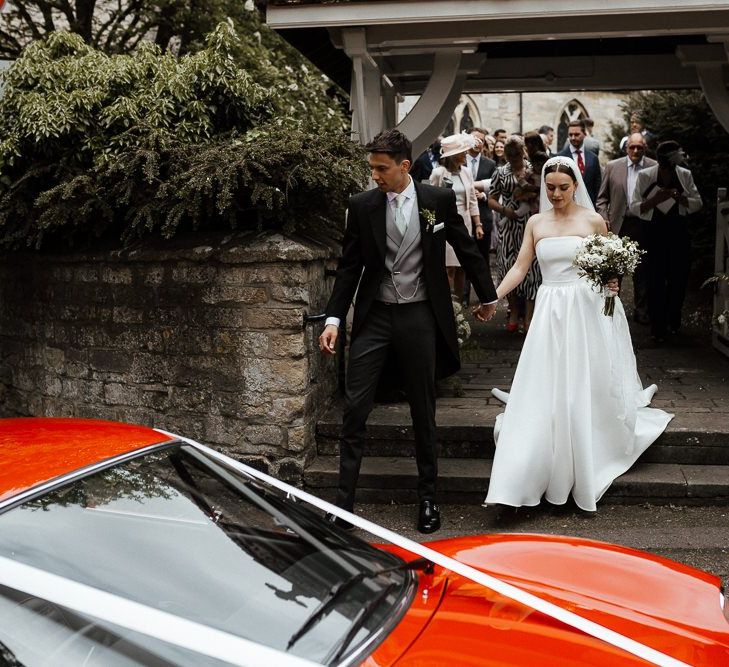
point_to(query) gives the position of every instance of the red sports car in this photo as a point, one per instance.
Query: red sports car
(123, 545)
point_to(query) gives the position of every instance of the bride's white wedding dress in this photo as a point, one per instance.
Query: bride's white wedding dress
(576, 416)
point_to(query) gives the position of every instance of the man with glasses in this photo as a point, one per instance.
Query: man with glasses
(613, 204)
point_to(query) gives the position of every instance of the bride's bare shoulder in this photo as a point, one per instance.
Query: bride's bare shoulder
(596, 221)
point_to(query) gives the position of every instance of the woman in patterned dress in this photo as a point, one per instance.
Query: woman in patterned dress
(502, 200)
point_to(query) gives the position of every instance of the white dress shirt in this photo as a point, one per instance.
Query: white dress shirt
(633, 169)
(581, 149)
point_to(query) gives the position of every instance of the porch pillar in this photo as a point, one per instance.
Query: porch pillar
(709, 61)
(436, 105)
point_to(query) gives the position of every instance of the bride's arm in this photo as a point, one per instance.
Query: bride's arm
(600, 225)
(602, 229)
(523, 263)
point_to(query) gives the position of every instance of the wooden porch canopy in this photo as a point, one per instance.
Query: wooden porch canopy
(439, 49)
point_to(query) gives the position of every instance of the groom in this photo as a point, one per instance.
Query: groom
(393, 257)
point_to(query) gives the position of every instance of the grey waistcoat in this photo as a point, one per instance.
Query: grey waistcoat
(403, 261)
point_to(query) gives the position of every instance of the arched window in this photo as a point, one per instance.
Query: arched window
(465, 117)
(573, 110)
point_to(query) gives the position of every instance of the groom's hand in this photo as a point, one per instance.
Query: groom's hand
(328, 339)
(484, 312)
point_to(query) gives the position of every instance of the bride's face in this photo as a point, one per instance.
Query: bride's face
(560, 189)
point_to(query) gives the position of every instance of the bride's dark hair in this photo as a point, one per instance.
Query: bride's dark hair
(560, 168)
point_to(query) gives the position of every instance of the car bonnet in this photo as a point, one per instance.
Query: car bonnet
(34, 450)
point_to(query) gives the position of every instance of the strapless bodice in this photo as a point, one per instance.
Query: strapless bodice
(555, 255)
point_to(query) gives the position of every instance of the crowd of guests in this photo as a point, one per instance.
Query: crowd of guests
(495, 177)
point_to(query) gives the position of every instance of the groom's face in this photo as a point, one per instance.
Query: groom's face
(388, 175)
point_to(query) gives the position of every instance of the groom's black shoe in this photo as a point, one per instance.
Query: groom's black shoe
(428, 517)
(339, 523)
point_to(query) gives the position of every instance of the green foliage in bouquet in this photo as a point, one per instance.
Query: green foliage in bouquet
(123, 145)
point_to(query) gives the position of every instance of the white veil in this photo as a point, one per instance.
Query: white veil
(582, 197)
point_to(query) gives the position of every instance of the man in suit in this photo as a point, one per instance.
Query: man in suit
(393, 257)
(482, 169)
(587, 162)
(547, 134)
(591, 144)
(426, 162)
(613, 204)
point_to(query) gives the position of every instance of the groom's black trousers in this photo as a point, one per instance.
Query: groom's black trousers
(409, 330)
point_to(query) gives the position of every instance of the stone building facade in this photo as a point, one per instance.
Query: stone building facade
(521, 112)
(205, 340)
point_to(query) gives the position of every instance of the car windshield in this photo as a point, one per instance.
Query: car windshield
(182, 532)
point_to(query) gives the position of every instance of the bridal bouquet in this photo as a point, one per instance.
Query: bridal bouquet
(601, 258)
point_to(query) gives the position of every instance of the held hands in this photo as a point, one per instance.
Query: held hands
(328, 339)
(484, 311)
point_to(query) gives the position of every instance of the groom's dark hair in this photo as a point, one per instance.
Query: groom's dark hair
(394, 143)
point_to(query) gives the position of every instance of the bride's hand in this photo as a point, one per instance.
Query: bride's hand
(613, 285)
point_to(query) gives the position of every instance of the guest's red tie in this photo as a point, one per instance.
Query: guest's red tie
(580, 162)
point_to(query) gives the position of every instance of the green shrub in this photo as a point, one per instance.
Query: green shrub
(124, 145)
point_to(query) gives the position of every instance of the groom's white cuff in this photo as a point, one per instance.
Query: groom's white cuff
(488, 303)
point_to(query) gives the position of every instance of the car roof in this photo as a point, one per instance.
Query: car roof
(34, 450)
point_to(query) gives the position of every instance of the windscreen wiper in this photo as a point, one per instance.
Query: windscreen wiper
(336, 591)
(360, 619)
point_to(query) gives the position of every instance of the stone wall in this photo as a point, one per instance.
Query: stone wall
(205, 340)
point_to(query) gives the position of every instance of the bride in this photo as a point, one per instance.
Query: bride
(576, 416)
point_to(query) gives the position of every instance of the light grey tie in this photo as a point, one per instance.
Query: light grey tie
(474, 166)
(400, 221)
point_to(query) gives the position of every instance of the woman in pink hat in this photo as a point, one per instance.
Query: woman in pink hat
(453, 173)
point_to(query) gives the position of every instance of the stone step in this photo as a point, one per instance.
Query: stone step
(465, 480)
(691, 438)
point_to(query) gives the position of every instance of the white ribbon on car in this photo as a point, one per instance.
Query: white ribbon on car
(161, 625)
(507, 590)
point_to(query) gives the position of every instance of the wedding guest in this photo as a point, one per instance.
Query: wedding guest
(591, 144)
(636, 125)
(482, 169)
(501, 199)
(488, 147)
(426, 162)
(547, 133)
(499, 158)
(500, 135)
(586, 161)
(613, 204)
(537, 156)
(664, 195)
(453, 173)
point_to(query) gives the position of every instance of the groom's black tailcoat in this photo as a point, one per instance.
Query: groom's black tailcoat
(422, 335)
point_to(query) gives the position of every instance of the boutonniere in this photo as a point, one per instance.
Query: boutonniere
(429, 217)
